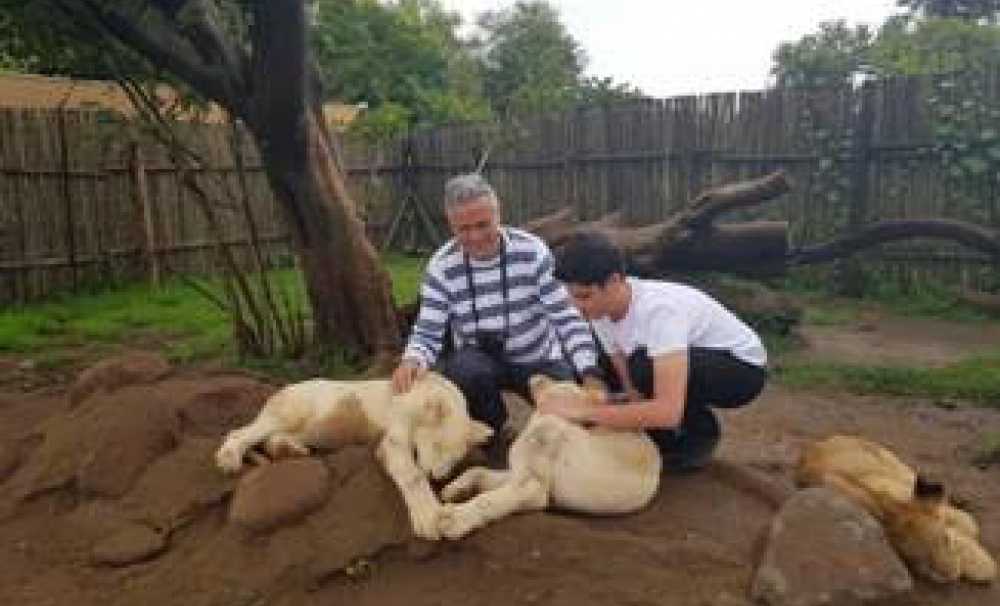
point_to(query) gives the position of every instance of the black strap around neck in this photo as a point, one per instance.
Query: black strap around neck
(503, 286)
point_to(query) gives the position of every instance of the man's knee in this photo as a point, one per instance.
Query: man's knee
(478, 378)
(471, 370)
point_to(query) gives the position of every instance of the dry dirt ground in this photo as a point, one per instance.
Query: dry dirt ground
(95, 475)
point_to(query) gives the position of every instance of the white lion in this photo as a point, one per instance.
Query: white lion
(431, 419)
(554, 462)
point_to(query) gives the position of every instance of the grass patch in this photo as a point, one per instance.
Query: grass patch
(976, 379)
(922, 300)
(107, 317)
(407, 273)
(175, 314)
(988, 451)
(827, 314)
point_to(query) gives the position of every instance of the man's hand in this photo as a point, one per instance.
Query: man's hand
(406, 374)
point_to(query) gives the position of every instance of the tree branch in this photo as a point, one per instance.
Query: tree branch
(970, 235)
(714, 202)
(165, 50)
(199, 20)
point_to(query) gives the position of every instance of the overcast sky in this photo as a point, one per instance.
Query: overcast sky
(672, 48)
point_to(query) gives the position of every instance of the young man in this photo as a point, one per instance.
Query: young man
(510, 318)
(677, 352)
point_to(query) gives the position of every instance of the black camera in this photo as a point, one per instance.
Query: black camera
(491, 343)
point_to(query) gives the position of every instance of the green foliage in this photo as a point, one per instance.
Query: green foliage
(972, 10)
(382, 123)
(600, 91)
(832, 56)
(531, 63)
(934, 46)
(401, 58)
(904, 46)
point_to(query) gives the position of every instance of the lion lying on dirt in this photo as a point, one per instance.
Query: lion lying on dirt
(431, 420)
(935, 539)
(554, 462)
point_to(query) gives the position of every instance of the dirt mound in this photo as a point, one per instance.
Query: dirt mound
(116, 501)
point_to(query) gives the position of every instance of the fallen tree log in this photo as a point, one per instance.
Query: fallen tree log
(692, 240)
(883, 232)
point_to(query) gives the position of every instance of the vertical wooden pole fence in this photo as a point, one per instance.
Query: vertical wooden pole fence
(148, 231)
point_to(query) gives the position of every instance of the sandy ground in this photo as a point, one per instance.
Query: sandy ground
(131, 469)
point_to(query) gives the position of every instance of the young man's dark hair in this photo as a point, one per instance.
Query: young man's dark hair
(589, 258)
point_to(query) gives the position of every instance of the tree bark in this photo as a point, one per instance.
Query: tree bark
(970, 235)
(690, 240)
(350, 291)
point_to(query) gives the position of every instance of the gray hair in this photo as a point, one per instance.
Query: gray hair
(464, 188)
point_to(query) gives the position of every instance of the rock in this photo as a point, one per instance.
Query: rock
(279, 493)
(116, 372)
(824, 549)
(132, 544)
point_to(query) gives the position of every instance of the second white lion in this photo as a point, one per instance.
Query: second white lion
(554, 462)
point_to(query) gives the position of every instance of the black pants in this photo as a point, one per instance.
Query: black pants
(481, 377)
(716, 379)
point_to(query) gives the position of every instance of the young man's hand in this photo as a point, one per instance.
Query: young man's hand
(597, 391)
(408, 372)
(567, 407)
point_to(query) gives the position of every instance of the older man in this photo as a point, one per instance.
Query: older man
(509, 317)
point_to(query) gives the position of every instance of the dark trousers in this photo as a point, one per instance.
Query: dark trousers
(716, 379)
(481, 377)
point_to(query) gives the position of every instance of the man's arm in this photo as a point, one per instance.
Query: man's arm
(427, 336)
(577, 340)
(664, 411)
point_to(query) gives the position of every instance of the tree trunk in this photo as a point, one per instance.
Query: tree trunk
(350, 291)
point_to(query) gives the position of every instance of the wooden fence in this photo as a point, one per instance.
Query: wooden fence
(84, 199)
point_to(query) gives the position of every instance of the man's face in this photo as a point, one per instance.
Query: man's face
(476, 226)
(593, 300)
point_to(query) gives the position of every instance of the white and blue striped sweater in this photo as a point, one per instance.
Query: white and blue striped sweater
(542, 321)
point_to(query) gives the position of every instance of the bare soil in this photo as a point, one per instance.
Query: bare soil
(129, 471)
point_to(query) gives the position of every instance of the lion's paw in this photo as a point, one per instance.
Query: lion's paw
(457, 521)
(463, 487)
(229, 458)
(424, 519)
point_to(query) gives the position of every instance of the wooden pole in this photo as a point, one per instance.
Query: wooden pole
(67, 198)
(141, 190)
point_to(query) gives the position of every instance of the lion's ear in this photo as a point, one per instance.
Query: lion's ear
(479, 433)
(537, 383)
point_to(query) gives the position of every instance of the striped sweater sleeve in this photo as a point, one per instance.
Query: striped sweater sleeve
(574, 333)
(427, 337)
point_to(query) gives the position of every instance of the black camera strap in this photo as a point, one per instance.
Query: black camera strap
(503, 286)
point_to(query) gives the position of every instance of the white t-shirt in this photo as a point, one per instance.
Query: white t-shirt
(666, 317)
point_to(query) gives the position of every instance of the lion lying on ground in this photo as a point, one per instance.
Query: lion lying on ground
(935, 539)
(554, 462)
(431, 420)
